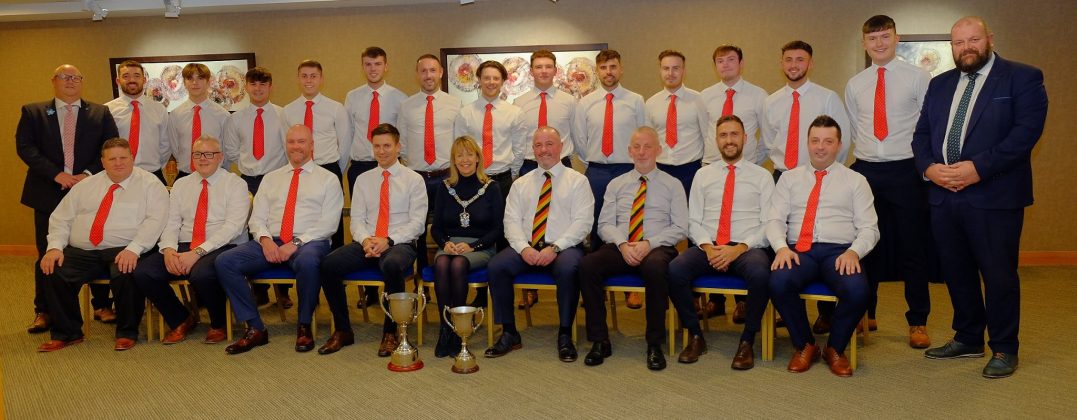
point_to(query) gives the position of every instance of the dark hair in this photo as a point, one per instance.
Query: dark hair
(375, 52)
(259, 74)
(725, 49)
(671, 53)
(824, 121)
(797, 45)
(607, 55)
(429, 56)
(728, 118)
(193, 69)
(492, 64)
(113, 143)
(310, 63)
(879, 23)
(133, 63)
(543, 54)
(386, 128)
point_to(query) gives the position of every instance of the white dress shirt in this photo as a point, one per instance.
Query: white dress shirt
(665, 209)
(815, 100)
(135, 220)
(318, 204)
(560, 110)
(412, 125)
(845, 214)
(906, 86)
(628, 115)
(61, 113)
(749, 103)
(153, 146)
(572, 208)
(505, 116)
(962, 83)
(229, 203)
(357, 104)
(332, 128)
(407, 204)
(752, 190)
(238, 142)
(214, 118)
(692, 125)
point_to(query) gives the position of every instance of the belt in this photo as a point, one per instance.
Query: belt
(434, 174)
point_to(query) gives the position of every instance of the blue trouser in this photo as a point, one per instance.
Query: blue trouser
(753, 266)
(236, 264)
(153, 279)
(507, 264)
(685, 173)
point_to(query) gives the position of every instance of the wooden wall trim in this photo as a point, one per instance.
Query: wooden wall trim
(18, 250)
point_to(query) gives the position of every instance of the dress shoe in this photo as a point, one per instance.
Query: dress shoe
(873, 325)
(803, 358)
(124, 343)
(655, 359)
(444, 345)
(336, 341)
(745, 357)
(215, 335)
(304, 340)
(105, 315)
(821, 325)
(711, 309)
(41, 323)
(634, 300)
(739, 312)
(180, 333)
(53, 345)
(285, 301)
(839, 364)
(506, 343)
(697, 346)
(388, 344)
(954, 350)
(698, 308)
(369, 300)
(1001, 365)
(566, 351)
(918, 338)
(251, 339)
(600, 350)
(529, 299)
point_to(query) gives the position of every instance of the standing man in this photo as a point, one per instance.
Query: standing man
(196, 117)
(679, 116)
(544, 105)
(734, 95)
(974, 143)
(60, 142)
(644, 216)
(254, 137)
(105, 224)
(141, 120)
(295, 211)
(490, 120)
(884, 101)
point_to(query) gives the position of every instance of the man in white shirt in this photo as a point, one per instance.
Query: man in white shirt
(490, 121)
(254, 136)
(196, 117)
(548, 213)
(140, 119)
(734, 95)
(680, 117)
(820, 223)
(103, 226)
(295, 211)
(544, 105)
(380, 239)
(206, 214)
(884, 102)
(368, 106)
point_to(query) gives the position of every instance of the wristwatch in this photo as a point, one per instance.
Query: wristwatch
(200, 252)
(298, 243)
(556, 249)
(390, 241)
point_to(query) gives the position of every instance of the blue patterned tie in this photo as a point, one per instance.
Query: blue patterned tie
(953, 139)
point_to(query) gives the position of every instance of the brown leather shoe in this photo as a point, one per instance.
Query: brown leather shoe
(710, 310)
(528, 299)
(124, 343)
(388, 344)
(803, 358)
(745, 357)
(698, 308)
(821, 325)
(251, 338)
(839, 364)
(180, 333)
(918, 338)
(740, 312)
(633, 300)
(105, 315)
(696, 347)
(41, 323)
(338, 340)
(215, 335)
(53, 345)
(873, 325)
(304, 340)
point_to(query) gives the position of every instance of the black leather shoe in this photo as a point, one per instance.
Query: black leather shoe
(655, 359)
(445, 335)
(304, 340)
(600, 350)
(566, 351)
(506, 343)
(1001, 365)
(954, 350)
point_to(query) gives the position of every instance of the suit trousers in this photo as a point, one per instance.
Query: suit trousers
(338, 236)
(81, 266)
(395, 263)
(507, 264)
(753, 266)
(98, 292)
(233, 267)
(608, 261)
(685, 173)
(152, 278)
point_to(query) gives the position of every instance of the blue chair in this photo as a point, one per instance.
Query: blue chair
(475, 279)
(727, 284)
(634, 283)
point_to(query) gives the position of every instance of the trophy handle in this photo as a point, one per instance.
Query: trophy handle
(383, 300)
(422, 307)
(445, 315)
(482, 317)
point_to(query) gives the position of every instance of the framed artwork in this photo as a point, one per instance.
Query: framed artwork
(164, 78)
(929, 52)
(576, 73)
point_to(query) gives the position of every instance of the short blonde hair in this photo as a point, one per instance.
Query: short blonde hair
(465, 144)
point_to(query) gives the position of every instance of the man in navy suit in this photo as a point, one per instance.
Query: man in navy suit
(60, 141)
(974, 142)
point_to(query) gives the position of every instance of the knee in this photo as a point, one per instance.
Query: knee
(853, 288)
(782, 284)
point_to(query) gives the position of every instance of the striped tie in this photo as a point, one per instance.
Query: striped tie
(635, 224)
(542, 211)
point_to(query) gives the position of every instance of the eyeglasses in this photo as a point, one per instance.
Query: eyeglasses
(204, 155)
(69, 77)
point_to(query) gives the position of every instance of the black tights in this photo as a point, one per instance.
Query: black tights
(450, 285)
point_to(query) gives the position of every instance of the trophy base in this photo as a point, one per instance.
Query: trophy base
(412, 367)
(465, 370)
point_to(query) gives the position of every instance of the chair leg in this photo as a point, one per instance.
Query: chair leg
(228, 318)
(192, 304)
(148, 317)
(490, 318)
(613, 310)
(768, 333)
(362, 298)
(87, 311)
(419, 324)
(852, 351)
(706, 316)
(527, 314)
(671, 332)
(280, 305)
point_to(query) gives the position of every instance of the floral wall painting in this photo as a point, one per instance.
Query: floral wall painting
(164, 79)
(576, 73)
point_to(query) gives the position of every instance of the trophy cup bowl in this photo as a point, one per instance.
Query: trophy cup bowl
(462, 321)
(403, 308)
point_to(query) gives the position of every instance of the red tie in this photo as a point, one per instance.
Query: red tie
(488, 137)
(196, 129)
(69, 137)
(671, 122)
(136, 125)
(727, 109)
(97, 230)
(807, 228)
(428, 132)
(724, 230)
(881, 129)
(198, 234)
(792, 138)
(381, 230)
(542, 110)
(259, 136)
(375, 117)
(287, 223)
(607, 127)
(308, 117)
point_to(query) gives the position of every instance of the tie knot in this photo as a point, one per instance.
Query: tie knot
(543, 95)
(205, 182)
(134, 103)
(385, 174)
(796, 95)
(68, 107)
(973, 76)
(729, 92)
(609, 97)
(819, 174)
(548, 174)
(113, 187)
(375, 94)
(310, 104)
(197, 108)
(430, 98)
(489, 106)
(259, 111)
(731, 167)
(881, 70)
(297, 171)
(643, 179)
(672, 98)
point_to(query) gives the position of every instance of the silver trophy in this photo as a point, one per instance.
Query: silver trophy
(403, 309)
(463, 323)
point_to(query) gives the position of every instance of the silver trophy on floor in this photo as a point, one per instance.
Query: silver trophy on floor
(462, 321)
(403, 309)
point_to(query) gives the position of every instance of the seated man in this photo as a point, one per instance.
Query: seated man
(295, 211)
(547, 214)
(644, 215)
(102, 226)
(388, 212)
(825, 212)
(206, 214)
(726, 219)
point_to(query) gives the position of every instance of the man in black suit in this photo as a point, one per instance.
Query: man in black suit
(60, 141)
(974, 143)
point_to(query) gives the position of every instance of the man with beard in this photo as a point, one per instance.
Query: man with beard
(140, 119)
(974, 142)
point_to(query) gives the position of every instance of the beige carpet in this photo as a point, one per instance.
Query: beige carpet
(193, 380)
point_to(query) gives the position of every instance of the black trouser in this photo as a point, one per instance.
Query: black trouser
(98, 292)
(599, 176)
(80, 266)
(607, 261)
(253, 182)
(395, 263)
(356, 168)
(337, 240)
(152, 278)
(433, 182)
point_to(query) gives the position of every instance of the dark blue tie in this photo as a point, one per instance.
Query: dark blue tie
(953, 139)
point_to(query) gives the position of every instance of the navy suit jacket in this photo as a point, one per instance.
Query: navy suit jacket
(1004, 124)
(39, 143)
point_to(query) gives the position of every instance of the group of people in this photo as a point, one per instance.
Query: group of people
(941, 177)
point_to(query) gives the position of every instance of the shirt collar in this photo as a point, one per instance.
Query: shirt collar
(60, 104)
(393, 169)
(983, 71)
(807, 86)
(557, 169)
(216, 176)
